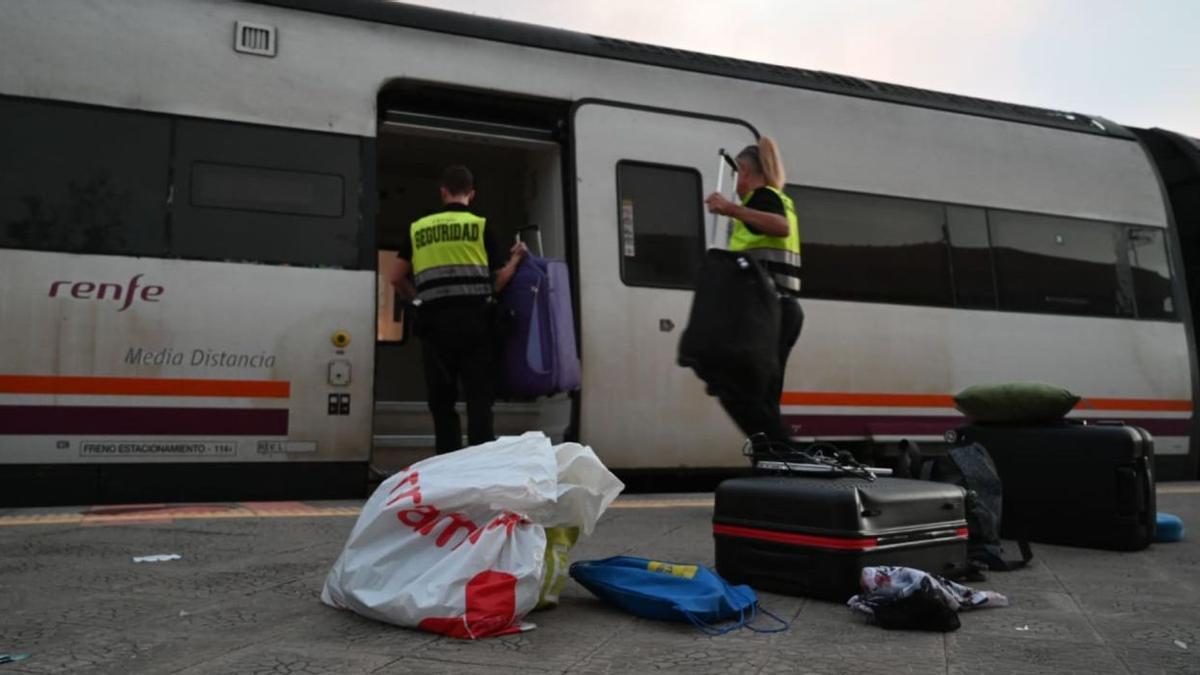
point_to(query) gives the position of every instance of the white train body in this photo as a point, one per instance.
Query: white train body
(236, 356)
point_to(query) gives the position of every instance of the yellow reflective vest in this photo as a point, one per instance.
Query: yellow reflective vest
(779, 255)
(449, 258)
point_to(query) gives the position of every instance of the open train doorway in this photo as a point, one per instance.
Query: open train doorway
(513, 147)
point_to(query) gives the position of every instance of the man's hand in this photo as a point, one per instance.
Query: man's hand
(401, 280)
(517, 252)
(505, 274)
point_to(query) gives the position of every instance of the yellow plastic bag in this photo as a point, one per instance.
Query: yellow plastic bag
(559, 541)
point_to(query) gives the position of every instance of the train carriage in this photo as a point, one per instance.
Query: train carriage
(200, 203)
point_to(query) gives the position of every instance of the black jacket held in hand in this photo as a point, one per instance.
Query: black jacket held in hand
(732, 334)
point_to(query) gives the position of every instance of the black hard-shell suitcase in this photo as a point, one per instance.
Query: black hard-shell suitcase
(1073, 484)
(813, 535)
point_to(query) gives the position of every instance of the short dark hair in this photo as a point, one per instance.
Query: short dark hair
(457, 180)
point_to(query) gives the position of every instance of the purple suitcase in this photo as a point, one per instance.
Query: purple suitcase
(539, 357)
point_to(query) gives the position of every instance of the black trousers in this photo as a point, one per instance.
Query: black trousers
(458, 346)
(761, 414)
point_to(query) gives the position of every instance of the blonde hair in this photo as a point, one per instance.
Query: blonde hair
(765, 159)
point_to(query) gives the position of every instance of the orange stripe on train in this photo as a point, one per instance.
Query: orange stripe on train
(877, 400)
(143, 386)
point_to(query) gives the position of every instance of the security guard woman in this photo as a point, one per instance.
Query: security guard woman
(765, 228)
(453, 258)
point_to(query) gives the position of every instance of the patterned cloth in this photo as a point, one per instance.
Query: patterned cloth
(907, 598)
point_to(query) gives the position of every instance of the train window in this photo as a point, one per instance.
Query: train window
(971, 258)
(249, 188)
(1151, 273)
(281, 196)
(82, 179)
(871, 248)
(1060, 265)
(660, 220)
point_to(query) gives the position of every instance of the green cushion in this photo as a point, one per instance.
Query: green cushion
(1015, 402)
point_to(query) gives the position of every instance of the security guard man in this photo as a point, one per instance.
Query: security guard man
(765, 227)
(452, 257)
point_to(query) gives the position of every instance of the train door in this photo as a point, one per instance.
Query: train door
(512, 148)
(641, 177)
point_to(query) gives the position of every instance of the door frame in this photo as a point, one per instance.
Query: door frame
(571, 206)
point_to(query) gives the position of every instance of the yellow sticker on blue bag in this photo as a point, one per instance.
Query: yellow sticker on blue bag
(675, 570)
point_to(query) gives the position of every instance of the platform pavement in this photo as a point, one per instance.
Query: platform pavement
(243, 599)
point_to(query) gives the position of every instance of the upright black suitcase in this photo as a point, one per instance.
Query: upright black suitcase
(813, 535)
(1073, 484)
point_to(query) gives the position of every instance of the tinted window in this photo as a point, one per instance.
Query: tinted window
(82, 179)
(869, 248)
(248, 188)
(970, 258)
(283, 196)
(1061, 265)
(1151, 273)
(661, 223)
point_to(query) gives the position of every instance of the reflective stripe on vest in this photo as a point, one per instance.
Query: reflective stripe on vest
(780, 255)
(449, 257)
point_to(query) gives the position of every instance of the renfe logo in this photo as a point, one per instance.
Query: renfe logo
(89, 290)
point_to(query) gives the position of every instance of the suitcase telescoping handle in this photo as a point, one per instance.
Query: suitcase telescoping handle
(537, 235)
(723, 160)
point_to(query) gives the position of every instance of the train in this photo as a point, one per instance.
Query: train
(202, 201)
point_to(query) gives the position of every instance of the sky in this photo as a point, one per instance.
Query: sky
(1134, 62)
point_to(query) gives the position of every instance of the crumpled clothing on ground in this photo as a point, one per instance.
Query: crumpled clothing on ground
(907, 598)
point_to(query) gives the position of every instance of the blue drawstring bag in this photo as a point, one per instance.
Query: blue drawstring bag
(672, 592)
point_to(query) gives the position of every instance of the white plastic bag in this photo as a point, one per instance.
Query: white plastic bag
(455, 544)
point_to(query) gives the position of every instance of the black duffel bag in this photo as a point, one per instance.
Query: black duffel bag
(732, 336)
(971, 468)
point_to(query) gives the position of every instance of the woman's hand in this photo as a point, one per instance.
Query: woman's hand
(717, 203)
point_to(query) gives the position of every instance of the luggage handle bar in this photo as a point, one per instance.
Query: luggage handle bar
(800, 467)
(723, 160)
(812, 460)
(537, 231)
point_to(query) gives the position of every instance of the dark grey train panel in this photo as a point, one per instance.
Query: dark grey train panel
(83, 179)
(265, 195)
(152, 482)
(89, 179)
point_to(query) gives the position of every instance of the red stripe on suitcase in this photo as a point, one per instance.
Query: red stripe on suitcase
(815, 541)
(792, 538)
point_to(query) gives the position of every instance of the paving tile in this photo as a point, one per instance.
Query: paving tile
(1008, 622)
(1151, 632)
(969, 654)
(657, 649)
(428, 666)
(245, 599)
(1160, 661)
(863, 657)
(327, 629)
(578, 626)
(286, 659)
(78, 649)
(100, 610)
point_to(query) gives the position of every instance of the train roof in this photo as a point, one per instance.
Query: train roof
(513, 32)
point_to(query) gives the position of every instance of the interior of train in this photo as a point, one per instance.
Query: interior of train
(514, 150)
